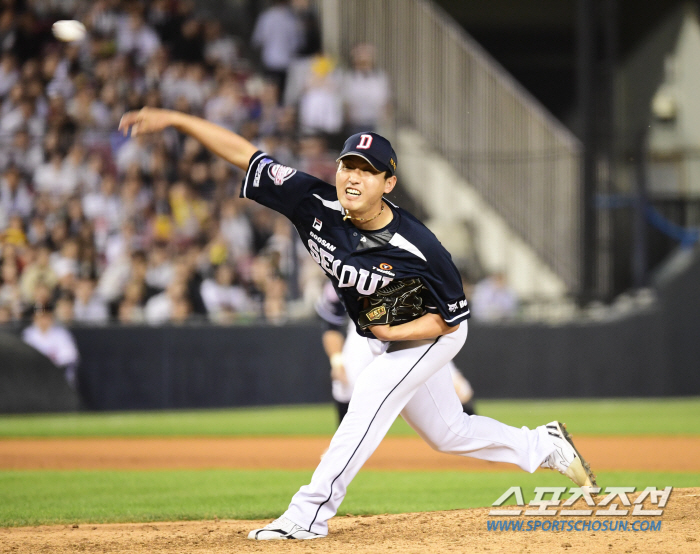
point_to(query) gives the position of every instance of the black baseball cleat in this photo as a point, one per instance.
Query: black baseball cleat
(565, 458)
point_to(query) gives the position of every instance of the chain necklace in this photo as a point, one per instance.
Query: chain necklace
(348, 216)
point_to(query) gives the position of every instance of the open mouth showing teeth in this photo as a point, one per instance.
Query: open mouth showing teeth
(352, 192)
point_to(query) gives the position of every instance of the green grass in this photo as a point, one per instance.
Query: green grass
(668, 416)
(45, 497)
(633, 416)
(282, 420)
(52, 497)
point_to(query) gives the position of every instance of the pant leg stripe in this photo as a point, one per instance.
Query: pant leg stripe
(367, 431)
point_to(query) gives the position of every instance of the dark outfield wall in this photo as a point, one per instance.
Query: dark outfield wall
(30, 382)
(622, 358)
(653, 353)
(188, 367)
(201, 366)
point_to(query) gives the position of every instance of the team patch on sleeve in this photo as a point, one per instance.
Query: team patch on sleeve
(457, 309)
(458, 304)
(280, 173)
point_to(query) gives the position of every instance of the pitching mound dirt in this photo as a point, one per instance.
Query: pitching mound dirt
(454, 531)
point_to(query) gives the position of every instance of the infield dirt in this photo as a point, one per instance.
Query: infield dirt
(453, 531)
(394, 453)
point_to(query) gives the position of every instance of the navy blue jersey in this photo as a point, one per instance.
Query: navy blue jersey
(357, 262)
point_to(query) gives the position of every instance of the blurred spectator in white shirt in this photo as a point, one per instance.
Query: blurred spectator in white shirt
(135, 198)
(159, 309)
(195, 87)
(88, 306)
(280, 247)
(65, 261)
(222, 298)
(104, 209)
(120, 245)
(236, 229)
(104, 17)
(53, 341)
(219, 48)
(23, 116)
(160, 270)
(131, 306)
(226, 106)
(366, 91)
(270, 111)
(23, 154)
(13, 99)
(134, 152)
(135, 37)
(10, 294)
(89, 111)
(9, 74)
(38, 231)
(123, 251)
(91, 174)
(72, 168)
(15, 197)
(321, 105)
(50, 178)
(493, 299)
(279, 35)
(170, 83)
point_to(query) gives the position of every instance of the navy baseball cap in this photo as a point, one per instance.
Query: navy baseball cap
(373, 148)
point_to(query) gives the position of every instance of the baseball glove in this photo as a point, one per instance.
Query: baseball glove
(399, 302)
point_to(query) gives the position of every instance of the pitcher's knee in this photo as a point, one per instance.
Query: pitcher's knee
(446, 445)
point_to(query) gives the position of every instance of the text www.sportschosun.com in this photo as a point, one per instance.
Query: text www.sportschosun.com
(569, 525)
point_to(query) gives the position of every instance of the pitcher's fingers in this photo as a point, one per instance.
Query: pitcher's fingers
(127, 120)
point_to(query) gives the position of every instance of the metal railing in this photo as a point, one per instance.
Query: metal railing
(522, 160)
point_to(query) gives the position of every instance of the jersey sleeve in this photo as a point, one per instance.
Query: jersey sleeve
(446, 294)
(275, 185)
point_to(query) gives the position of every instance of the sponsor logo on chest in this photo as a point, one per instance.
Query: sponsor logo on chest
(322, 241)
(385, 269)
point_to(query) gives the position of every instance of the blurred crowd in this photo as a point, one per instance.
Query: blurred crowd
(96, 227)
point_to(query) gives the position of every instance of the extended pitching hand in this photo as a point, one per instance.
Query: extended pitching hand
(145, 120)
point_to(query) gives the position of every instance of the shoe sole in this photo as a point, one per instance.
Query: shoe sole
(253, 535)
(584, 464)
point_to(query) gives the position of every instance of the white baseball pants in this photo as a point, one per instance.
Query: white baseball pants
(409, 378)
